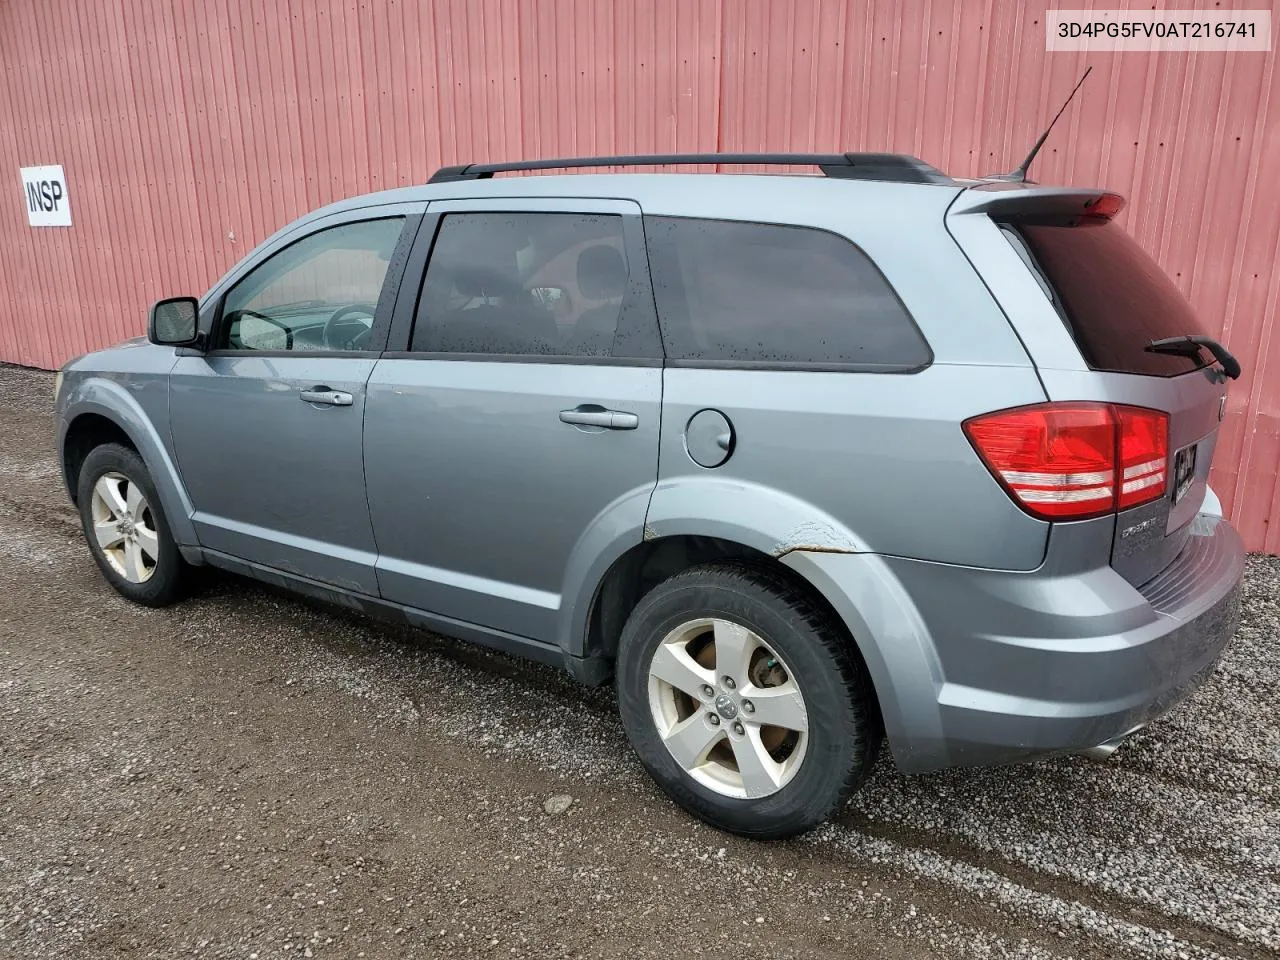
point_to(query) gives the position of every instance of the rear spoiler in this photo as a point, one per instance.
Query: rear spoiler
(1013, 201)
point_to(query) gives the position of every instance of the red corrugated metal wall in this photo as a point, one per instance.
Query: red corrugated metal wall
(191, 129)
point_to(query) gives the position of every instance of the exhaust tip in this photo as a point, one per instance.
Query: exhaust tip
(1104, 750)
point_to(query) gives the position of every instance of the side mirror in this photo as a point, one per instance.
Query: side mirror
(174, 322)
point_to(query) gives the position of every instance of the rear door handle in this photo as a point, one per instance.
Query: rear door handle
(590, 415)
(322, 394)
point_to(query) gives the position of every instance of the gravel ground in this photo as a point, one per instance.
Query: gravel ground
(246, 775)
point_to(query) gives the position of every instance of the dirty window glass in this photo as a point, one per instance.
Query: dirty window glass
(732, 291)
(317, 294)
(546, 284)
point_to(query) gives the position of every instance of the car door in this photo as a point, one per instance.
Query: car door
(267, 421)
(522, 417)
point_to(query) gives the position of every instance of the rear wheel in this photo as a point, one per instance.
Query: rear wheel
(126, 528)
(744, 700)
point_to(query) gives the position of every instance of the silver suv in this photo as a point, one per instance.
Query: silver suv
(801, 463)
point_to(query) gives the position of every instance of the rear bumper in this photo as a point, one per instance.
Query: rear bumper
(976, 667)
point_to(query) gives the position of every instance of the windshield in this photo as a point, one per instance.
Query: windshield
(1112, 296)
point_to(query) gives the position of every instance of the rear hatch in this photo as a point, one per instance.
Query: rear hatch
(1112, 300)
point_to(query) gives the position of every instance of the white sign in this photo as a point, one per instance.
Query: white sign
(44, 192)
(1125, 30)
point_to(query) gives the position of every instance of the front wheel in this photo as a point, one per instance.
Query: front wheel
(745, 701)
(126, 528)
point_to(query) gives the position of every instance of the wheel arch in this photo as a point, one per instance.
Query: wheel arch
(895, 644)
(101, 411)
(645, 565)
(83, 434)
(744, 518)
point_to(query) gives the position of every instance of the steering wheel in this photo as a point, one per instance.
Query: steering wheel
(336, 339)
(241, 314)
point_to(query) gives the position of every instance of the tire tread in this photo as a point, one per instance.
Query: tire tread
(863, 725)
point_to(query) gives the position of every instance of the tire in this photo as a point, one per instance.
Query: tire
(844, 728)
(153, 581)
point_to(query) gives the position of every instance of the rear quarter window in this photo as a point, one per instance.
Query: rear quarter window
(731, 292)
(1112, 296)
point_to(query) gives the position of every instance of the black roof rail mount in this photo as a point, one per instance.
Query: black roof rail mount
(896, 167)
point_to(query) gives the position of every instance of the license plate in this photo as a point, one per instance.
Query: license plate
(1184, 471)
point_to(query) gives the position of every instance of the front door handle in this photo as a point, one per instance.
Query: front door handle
(322, 394)
(592, 415)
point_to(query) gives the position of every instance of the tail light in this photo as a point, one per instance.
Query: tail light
(1144, 456)
(1072, 461)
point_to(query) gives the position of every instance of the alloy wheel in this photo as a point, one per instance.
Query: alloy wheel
(727, 708)
(124, 527)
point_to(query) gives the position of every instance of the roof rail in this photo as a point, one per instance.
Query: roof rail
(897, 167)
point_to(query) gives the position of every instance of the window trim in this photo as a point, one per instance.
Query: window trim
(565, 359)
(1024, 253)
(811, 366)
(638, 308)
(806, 366)
(410, 223)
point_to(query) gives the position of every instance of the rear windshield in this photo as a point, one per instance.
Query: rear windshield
(1111, 294)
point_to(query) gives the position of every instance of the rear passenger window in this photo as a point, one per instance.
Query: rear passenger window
(543, 284)
(736, 292)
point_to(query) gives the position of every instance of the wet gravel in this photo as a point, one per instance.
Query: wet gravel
(247, 775)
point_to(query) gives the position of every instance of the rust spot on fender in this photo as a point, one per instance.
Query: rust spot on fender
(816, 538)
(812, 548)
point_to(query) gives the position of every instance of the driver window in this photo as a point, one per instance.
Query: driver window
(317, 294)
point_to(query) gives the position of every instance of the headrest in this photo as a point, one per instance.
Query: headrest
(602, 273)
